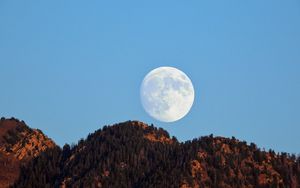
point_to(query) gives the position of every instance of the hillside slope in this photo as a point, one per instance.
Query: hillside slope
(18, 145)
(133, 154)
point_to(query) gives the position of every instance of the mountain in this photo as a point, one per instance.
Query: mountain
(134, 154)
(18, 145)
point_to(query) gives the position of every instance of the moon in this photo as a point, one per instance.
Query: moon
(167, 94)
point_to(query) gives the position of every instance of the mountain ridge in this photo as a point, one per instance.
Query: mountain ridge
(134, 154)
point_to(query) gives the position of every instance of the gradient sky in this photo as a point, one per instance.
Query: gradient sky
(70, 67)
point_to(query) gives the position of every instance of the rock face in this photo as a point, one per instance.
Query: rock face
(18, 145)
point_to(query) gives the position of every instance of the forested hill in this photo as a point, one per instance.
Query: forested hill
(133, 154)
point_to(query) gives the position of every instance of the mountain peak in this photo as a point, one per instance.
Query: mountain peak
(18, 139)
(7, 125)
(152, 133)
(138, 123)
(18, 145)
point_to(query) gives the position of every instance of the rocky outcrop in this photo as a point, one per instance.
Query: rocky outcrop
(18, 145)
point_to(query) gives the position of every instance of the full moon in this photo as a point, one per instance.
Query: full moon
(167, 94)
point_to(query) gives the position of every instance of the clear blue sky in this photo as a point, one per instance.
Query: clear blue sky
(70, 67)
